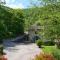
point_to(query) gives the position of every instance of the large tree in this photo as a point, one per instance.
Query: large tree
(49, 17)
(2, 2)
(11, 22)
(45, 2)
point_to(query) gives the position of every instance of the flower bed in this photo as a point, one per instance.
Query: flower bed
(44, 57)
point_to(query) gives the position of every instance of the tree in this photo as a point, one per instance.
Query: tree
(11, 22)
(2, 2)
(50, 18)
(45, 2)
(31, 16)
(18, 21)
(51, 21)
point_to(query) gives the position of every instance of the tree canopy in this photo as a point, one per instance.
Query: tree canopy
(11, 22)
(49, 17)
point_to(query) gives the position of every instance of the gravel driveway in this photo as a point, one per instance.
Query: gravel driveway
(22, 52)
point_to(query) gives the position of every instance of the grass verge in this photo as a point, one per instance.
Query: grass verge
(52, 50)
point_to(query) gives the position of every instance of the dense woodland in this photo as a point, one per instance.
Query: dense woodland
(14, 22)
(47, 16)
(11, 22)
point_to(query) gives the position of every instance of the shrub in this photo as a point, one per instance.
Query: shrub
(44, 57)
(49, 43)
(39, 43)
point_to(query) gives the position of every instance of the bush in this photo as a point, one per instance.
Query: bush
(39, 43)
(49, 43)
(44, 57)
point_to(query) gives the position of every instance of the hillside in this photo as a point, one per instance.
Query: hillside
(41, 14)
(45, 16)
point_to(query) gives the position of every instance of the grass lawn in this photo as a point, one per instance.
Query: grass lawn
(49, 49)
(52, 50)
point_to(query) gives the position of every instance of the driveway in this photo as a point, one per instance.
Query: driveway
(22, 51)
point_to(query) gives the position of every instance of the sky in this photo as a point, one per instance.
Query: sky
(19, 3)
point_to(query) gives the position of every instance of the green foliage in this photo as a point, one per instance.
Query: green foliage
(31, 16)
(11, 22)
(48, 16)
(49, 43)
(52, 50)
(39, 43)
(50, 19)
(56, 54)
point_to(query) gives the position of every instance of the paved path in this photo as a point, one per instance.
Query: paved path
(22, 52)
